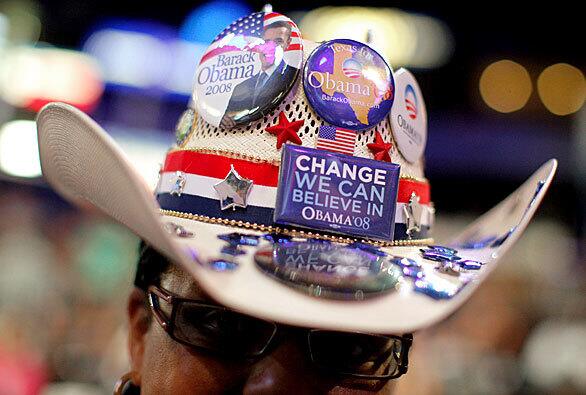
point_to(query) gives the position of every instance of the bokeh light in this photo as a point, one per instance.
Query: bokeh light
(505, 86)
(206, 21)
(130, 58)
(104, 254)
(144, 56)
(23, 23)
(19, 155)
(562, 88)
(3, 30)
(404, 39)
(32, 77)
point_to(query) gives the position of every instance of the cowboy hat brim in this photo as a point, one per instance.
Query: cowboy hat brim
(81, 162)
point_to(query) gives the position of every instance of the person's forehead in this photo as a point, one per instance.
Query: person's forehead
(277, 30)
(179, 282)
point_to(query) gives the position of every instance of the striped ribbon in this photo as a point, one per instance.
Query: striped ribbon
(202, 171)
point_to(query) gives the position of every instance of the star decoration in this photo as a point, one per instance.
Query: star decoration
(285, 130)
(178, 183)
(380, 149)
(233, 190)
(414, 214)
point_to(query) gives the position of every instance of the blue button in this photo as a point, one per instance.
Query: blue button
(436, 288)
(222, 265)
(239, 239)
(469, 264)
(349, 84)
(445, 250)
(434, 255)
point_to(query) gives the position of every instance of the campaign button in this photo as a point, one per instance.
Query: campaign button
(184, 126)
(470, 264)
(328, 270)
(337, 193)
(276, 237)
(222, 265)
(239, 239)
(248, 69)
(442, 249)
(349, 84)
(409, 116)
(436, 288)
(438, 256)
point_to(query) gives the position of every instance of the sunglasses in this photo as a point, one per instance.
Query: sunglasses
(229, 334)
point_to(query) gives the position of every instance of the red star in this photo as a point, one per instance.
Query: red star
(285, 130)
(380, 149)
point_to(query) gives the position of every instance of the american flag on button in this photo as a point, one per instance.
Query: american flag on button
(246, 32)
(335, 139)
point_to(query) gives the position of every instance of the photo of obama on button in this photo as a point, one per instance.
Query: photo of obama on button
(265, 89)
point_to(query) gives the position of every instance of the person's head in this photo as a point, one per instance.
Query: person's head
(163, 361)
(280, 34)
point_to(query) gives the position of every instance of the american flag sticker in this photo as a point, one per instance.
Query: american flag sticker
(335, 139)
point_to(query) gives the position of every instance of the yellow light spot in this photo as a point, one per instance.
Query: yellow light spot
(402, 38)
(562, 88)
(505, 86)
(19, 153)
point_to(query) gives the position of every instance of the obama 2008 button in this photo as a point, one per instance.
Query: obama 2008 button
(248, 69)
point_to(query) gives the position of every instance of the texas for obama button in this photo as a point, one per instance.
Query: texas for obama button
(348, 84)
(248, 69)
(337, 193)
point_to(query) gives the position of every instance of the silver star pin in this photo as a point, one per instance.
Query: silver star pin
(178, 183)
(414, 214)
(233, 190)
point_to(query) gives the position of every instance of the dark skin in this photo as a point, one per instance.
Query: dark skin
(161, 365)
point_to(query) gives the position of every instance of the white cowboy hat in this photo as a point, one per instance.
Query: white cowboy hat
(84, 165)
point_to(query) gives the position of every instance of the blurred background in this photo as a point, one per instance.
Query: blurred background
(504, 86)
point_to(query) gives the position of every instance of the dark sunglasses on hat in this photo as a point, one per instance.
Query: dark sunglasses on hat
(229, 334)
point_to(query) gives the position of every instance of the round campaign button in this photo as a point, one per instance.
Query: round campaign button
(349, 84)
(409, 117)
(328, 270)
(184, 125)
(248, 69)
